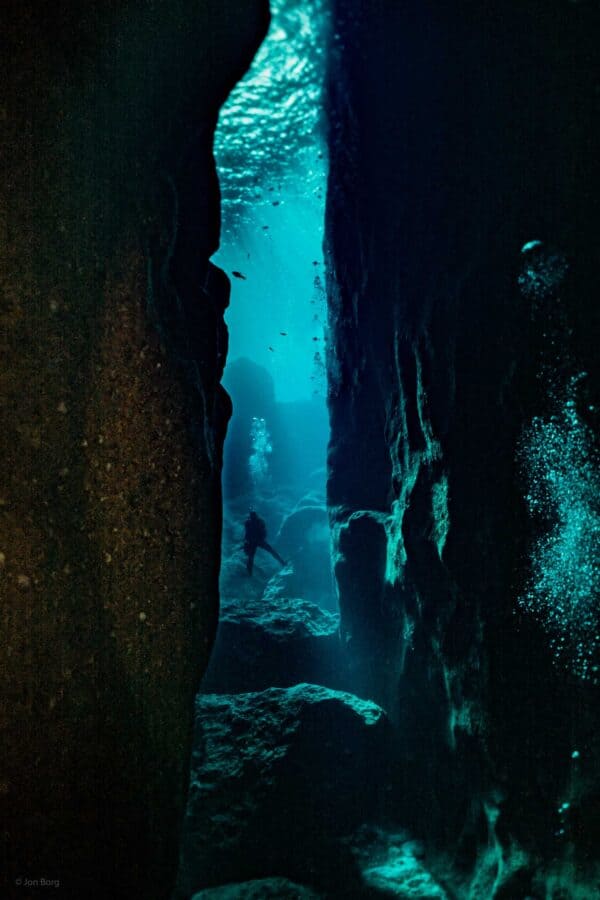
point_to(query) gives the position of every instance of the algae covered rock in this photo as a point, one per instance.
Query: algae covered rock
(393, 865)
(278, 777)
(259, 889)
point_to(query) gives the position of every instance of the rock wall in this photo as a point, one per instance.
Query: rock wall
(113, 420)
(459, 134)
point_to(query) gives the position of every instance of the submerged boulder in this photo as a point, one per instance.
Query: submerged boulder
(305, 525)
(304, 539)
(259, 889)
(392, 865)
(278, 779)
(274, 641)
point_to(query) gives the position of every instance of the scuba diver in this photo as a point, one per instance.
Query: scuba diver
(255, 536)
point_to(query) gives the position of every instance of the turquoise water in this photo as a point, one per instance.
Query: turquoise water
(271, 159)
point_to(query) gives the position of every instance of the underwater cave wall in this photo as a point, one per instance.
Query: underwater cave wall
(113, 419)
(459, 134)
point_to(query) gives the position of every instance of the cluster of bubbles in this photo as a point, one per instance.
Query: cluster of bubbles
(563, 494)
(559, 463)
(318, 375)
(542, 272)
(261, 449)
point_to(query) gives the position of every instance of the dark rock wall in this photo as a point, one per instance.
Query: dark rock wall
(459, 132)
(113, 420)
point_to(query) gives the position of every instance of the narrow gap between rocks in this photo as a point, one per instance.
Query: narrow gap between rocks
(290, 791)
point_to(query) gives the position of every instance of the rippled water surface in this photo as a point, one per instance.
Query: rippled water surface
(270, 136)
(270, 153)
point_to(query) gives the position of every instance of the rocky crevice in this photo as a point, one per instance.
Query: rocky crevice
(113, 344)
(436, 184)
(293, 778)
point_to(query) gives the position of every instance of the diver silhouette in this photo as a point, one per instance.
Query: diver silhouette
(256, 536)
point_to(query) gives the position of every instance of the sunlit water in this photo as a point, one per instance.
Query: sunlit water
(270, 153)
(271, 158)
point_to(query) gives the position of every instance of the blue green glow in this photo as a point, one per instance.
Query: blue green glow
(270, 153)
(260, 440)
(563, 489)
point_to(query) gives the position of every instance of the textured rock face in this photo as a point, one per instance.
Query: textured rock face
(113, 345)
(278, 778)
(457, 136)
(276, 641)
(392, 866)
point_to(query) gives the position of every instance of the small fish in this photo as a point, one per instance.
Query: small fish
(272, 349)
(315, 262)
(239, 275)
(265, 228)
(316, 339)
(283, 333)
(275, 203)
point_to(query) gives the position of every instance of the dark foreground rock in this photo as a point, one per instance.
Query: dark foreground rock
(112, 346)
(273, 641)
(259, 889)
(278, 778)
